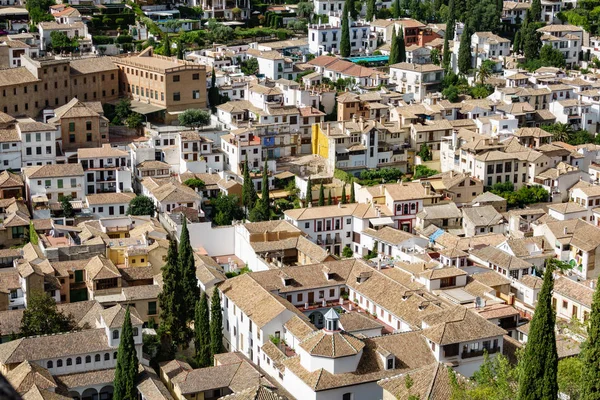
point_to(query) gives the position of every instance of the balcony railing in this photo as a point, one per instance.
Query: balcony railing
(479, 353)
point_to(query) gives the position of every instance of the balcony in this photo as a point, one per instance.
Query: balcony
(479, 353)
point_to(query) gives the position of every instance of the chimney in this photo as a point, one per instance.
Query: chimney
(565, 230)
(361, 123)
(378, 264)
(340, 204)
(381, 189)
(354, 118)
(328, 129)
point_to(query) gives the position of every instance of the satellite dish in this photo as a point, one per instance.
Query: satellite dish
(479, 302)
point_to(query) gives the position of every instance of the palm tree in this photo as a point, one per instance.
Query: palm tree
(560, 132)
(483, 73)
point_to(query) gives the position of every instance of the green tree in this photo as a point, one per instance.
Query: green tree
(42, 317)
(141, 205)
(33, 236)
(321, 202)
(125, 387)
(425, 153)
(517, 43)
(396, 9)
(60, 41)
(305, 9)
(446, 55)
(262, 208)
(202, 333)
(560, 132)
(352, 194)
(590, 374)
(353, 8)
(464, 51)
(122, 110)
(345, 49)
(551, 57)
(216, 324)
(569, 377)
(194, 117)
(167, 46)
(66, 206)
(371, 10)
(187, 271)
(344, 200)
(531, 38)
(539, 365)
(496, 379)
(213, 92)
(250, 66)
(401, 46)
(134, 121)
(248, 191)
(226, 208)
(394, 56)
(421, 171)
(195, 183)
(329, 199)
(435, 56)
(536, 10)
(347, 252)
(308, 192)
(484, 71)
(172, 317)
(451, 93)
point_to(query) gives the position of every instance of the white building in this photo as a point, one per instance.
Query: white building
(53, 182)
(106, 169)
(325, 38)
(566, 38)
(416, 79)
(38, 142)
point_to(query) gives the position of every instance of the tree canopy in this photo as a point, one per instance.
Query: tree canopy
(194, 117)
(42, 317)
(125, 385)
(141, 205)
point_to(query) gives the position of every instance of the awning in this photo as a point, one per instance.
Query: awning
(145, 108)
(39, 198)
(382, 221)
(284, 175)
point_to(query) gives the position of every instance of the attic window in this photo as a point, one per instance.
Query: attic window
(390, 363)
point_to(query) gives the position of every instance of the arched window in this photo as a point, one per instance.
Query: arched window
(58, 363)
(115, 355)
(69, 361)
(405, 209)
(413, 206)
(88, 359)
(97, 358)
(135, 331)
(115, 334)
(106, 356)
(78, 360)
(49, 364)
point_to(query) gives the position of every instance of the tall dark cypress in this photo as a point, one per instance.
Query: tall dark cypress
(125, 387)
(590, 376)
(351, 7)
(321, 195)
(464, 51)
(451, 20)
(329, 199)
(216, 324)
(172, 317)
(345, 49)
(394, 59)
(308, 193)
(344, 200)
(371, 10)
(265, 191)
(446, 56)
(187, 269)
(401, 46)
(396, 9)
(536, 11)
(352, 194)
(248, 191)
(202, 333)
(539, 365)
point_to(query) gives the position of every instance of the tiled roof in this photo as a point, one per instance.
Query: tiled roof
(100, 267)
(114, 316)
(495, 256)
(431, 382)
(332, 345)
(16, 76)
(459, 325)
(583, 294)
(99, 152)
(88, 378)
(109, 198)
(53, 170)
(90, 65)
(27, 374)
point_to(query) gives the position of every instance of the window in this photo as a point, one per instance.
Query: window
(71, 126)
(59, 183)
(88, 125)
(175, 78)
(195, 77)
(106, 356)
(49, 364)
(115, 354)
(97, 358)
(88, 359)
(135, 331)
(115, 334)
(78, 360)
(151, 308)
(347, 396)
(176, 96)
(58, 363)
(71, 138)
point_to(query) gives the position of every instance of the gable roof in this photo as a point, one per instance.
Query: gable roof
(459, 325)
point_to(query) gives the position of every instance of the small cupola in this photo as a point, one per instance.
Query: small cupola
(332, 320)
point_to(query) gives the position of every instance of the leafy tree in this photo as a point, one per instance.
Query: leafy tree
(248, 191)
(344, 200)
(496, 379)
(451, 94)
(425, 152)
(451, 21)
(371, 10)
(551, 57)
(194, 117)
(560, 132)
(394, 56)
(539, 365)
(345, 49)
(134, 121)
(167, 45)
(250, 66)
(141, 205)
(396, 9)
(421, 171)
(66, 206)
(202, 333)
(308, 192)
(122, 110)
(590, 373)
(352, 194)
(187, 271)
(347, 252)
(33, 236)
(226, 209)
(401, 46)
(262, 208)
(305, 9)
(125, 387)
(531, 38)
(60, 41)
(216, 324)
(464, 51)
(569, 376)
(536, 10)
(41, 317)
(195, 183)
(353, 8)
(521, 197)
(517, 42)
(321, 202)
(481, 91)
(435, 56)
(484, 71)
(172, 317)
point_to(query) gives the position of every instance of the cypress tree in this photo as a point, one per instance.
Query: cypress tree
(539, 365)
(127, 364)
(265, 190)
(321, 195)
(308, 192)
(401, 46)
(517, 42)
(345, 40)
(167, 45)
(450, 21)
(329, 199)
(352, 194)
(536, 11)
(213, 92)
(248, 191)
(446, 56)
(202, 333)
(344, 200)
(393, 49)
(187, 270)
(464, 51)
(172, 317)
(396, 9)
(216, 324)
(530, 38)
(351, 8)
(590, 376)
(371, 10)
